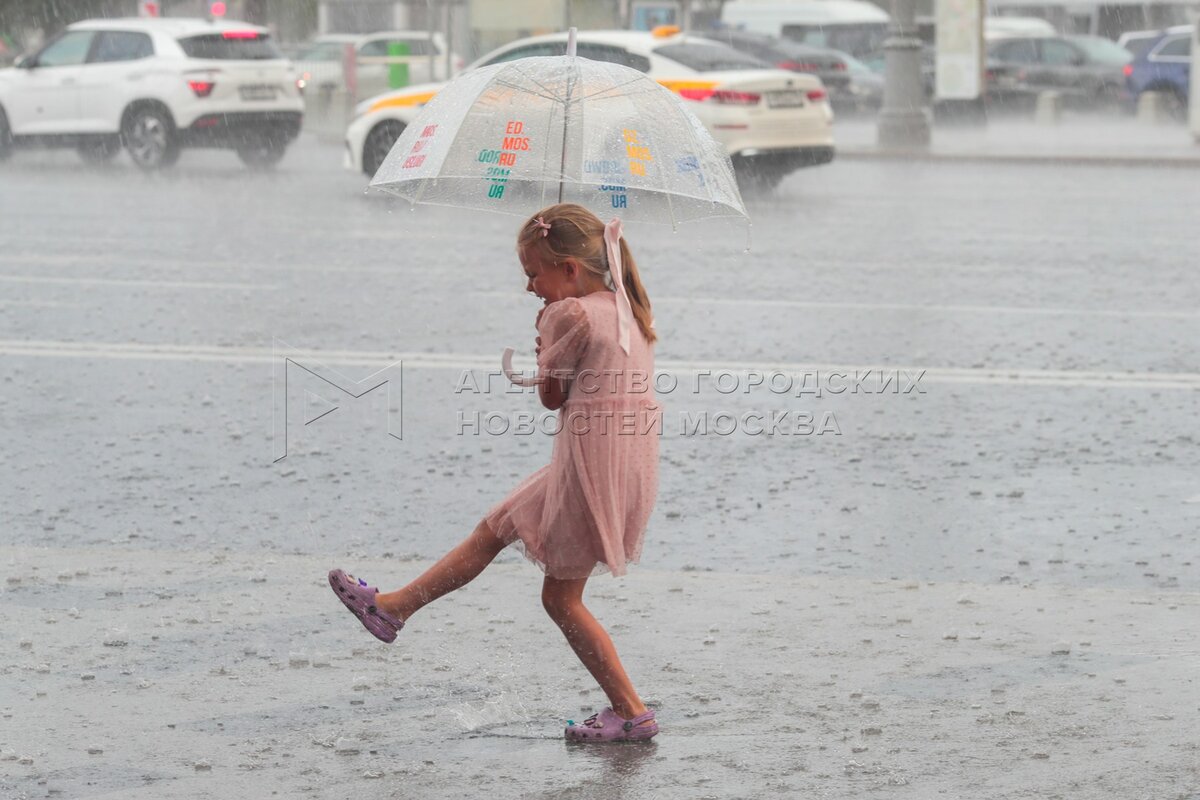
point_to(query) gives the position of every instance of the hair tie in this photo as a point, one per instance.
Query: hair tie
(545, 226)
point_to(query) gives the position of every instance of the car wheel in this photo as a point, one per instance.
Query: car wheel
(99, 152)
(263, 155)
(6, 143)
(149, 137)
(379, 143)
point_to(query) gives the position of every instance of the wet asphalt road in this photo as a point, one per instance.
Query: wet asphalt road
(1051, 439)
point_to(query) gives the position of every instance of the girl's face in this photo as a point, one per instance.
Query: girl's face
(549, 281)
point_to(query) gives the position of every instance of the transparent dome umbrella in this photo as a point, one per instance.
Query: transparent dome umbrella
(518, 136)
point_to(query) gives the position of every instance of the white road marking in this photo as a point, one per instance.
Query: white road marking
(131, 282)
(36, 304)
(190, 265)
(948, 308)
(487, 363)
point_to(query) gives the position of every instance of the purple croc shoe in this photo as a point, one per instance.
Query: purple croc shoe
(360, 599)
(606, 726)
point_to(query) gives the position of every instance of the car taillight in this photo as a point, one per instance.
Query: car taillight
(799, 66)
(726, 96)
(1127, 69)
(736, 98)
(816, 95)
(839, 66)
(240, 34)
(201, 88)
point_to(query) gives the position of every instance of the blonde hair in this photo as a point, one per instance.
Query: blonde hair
(577, 234)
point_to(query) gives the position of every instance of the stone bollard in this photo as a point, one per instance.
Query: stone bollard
(1152, 108)
(341, 113)
(327, 113)
(1049, 108)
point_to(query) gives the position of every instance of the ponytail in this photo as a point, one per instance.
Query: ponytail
(638, 299)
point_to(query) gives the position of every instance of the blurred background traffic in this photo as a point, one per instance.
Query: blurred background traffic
(768, 77)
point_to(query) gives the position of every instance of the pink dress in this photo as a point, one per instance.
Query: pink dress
(586, 512)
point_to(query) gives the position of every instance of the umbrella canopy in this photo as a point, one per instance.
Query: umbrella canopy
(518, 136)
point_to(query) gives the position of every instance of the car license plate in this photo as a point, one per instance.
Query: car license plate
(257, 92)
(788, 99)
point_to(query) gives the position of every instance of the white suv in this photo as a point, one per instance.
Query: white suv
(154, 85)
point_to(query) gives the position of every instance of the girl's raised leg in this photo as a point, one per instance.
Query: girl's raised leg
(455, 569)
(563, 600)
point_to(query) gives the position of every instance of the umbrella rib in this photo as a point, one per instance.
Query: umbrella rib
(527, 90)
(550, 95)
(615, 87)
(562, 164)
(546, 153)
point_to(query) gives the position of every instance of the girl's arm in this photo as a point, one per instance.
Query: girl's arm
(551, 391)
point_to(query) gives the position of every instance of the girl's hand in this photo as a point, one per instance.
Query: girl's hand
(538, 350)
(538, 320)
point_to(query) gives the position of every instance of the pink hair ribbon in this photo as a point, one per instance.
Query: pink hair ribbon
(545, 226)
(612, 240)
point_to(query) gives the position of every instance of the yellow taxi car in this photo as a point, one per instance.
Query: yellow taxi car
(771, 122)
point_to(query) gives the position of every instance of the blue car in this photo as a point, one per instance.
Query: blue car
(1164, 67)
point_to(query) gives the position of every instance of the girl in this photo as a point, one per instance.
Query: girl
(586, 512)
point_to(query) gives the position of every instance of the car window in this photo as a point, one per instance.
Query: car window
(1179, 46)
(613, 55)
(1103, 51)
(709, 57)
(325, 51)
(1058, 54)
(856, 39)
(531, 51)
(70, 48)
(121, 46)
(1137, 45)
(416, 47)
(231, 46)
(1018, 51)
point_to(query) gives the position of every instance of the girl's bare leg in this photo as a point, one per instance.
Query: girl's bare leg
(563, 600)
(455, 569)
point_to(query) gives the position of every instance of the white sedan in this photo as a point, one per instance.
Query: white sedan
(770, 121)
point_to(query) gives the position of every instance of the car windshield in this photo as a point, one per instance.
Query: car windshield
(709, 57)
(1102, 51)
(231, 46)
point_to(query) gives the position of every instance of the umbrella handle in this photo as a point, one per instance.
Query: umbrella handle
(510, 373)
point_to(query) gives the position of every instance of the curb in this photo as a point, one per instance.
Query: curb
(872, 154)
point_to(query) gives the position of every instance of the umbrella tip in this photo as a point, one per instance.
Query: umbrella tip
(571, 41)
